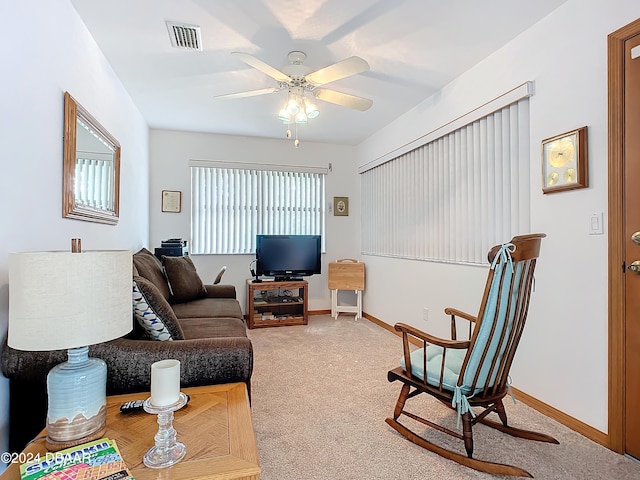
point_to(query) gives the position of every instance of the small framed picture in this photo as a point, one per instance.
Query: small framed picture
(341, 206)
(564, 161)
(171, 201)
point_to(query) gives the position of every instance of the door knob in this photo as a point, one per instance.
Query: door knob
(635, 237)
(635, 266)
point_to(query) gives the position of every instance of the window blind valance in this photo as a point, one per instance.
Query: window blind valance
(258, 166)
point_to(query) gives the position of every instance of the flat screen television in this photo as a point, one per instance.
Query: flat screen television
(288, 257)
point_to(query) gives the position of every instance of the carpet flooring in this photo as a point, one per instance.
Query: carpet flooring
(320, 396)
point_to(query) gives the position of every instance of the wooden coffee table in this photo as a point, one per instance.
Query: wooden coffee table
(215, 426)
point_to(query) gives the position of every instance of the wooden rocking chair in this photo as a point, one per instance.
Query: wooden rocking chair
(473, 373)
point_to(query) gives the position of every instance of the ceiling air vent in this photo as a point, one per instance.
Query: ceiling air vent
(185, 36)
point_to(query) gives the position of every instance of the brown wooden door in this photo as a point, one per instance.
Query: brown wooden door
(631, 152)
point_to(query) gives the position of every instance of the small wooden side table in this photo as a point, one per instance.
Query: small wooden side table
(215, 426)
(346, 274)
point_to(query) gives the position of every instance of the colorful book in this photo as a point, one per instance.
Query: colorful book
(97, 460)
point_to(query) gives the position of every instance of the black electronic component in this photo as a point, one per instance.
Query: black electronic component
(132, 406)
(136, 405)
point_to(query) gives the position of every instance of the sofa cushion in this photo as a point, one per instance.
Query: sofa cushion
(184, 282)
(213, 327)
(153, 312)
(149, 267)
(208, 308)
(220, 291)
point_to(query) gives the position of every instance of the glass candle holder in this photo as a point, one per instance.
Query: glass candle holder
(167, 450)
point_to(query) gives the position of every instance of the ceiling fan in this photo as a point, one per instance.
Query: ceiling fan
(297, 79)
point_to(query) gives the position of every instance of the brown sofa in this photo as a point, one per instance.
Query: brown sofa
(205, 323)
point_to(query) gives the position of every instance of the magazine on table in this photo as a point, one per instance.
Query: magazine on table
(97, 460)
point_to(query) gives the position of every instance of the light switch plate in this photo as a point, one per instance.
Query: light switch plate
(596, 223)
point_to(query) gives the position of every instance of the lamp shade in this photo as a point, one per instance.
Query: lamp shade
(63, 300)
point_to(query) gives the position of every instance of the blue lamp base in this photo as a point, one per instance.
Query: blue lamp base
(77, 397)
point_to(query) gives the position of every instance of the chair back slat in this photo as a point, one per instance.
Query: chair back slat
(502, 316)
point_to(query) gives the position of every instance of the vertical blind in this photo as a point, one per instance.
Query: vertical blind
(455, 197)
(230, 206)
(94, 183)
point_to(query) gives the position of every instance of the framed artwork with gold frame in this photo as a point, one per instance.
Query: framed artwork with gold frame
(341, 206)
(564, 162)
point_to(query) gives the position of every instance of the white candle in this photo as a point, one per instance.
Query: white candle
(165, 382)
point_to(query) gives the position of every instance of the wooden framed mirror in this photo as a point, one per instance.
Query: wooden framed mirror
(91, 173)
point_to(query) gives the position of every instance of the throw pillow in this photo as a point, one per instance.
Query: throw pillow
(153, 312)
(184, 281)
(149, 267)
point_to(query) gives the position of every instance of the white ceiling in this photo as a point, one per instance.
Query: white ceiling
(414, 48)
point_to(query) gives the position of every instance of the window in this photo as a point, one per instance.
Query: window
(453, 198)
(232, 203)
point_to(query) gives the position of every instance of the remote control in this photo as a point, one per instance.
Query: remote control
(136, 405)
(132, 406)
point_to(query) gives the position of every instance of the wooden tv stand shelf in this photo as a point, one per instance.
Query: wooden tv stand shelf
(277, 304)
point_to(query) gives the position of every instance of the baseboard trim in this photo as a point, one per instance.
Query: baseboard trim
(568, 421)
(561, 417)
(319, 312)
(380, 323)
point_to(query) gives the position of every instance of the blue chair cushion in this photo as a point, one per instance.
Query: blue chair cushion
(452, 367)
(498, 316)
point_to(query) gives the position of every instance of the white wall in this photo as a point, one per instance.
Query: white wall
(170, 153)
(45, 51)
(564, 347)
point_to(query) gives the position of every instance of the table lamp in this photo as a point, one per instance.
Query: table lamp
(70, 300)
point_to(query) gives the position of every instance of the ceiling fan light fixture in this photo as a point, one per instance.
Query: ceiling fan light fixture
(292, 106)
(301, 117)
(297, 110)
(284, 115)
(311, 109)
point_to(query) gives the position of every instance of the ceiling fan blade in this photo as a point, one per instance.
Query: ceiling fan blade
(345, 68)
(344, 99)
(263, 67)
(250, 93)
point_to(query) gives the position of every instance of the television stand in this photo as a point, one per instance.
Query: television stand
(277, 303)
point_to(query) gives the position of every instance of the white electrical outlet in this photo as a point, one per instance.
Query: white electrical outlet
(425, 314)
